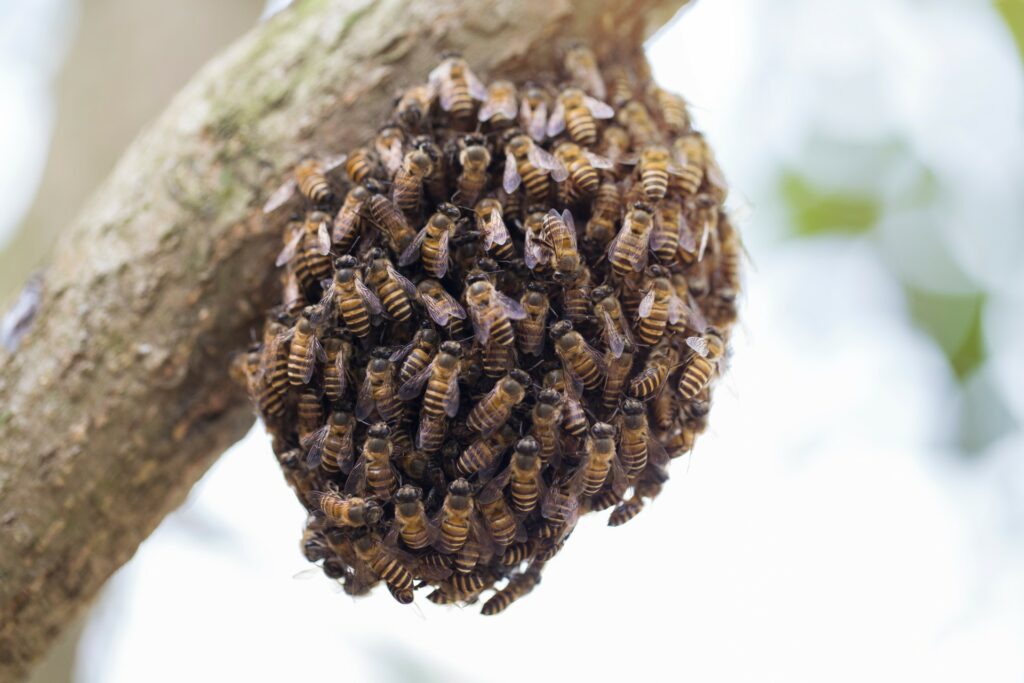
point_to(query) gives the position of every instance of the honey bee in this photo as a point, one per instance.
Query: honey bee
(517, 553)
(442, 394)
(691, 156)
(330, 447)
(559, 231)
(620, 86)
(523, 476)
(431, 244)
(443, 309)
(670, 235)
(498, 359)
(619, 369)
(501, 524)
(378, 390)
(454, 519)
(614, 143)
(394, 290)
(348, 222)
(411, 519)
(500, 107)
(574, 419)
(660, 362)
(490, 223)
(483, 452)
(361, 165)
(659, 307)
(391, 222)
(581, 65)
(310, 242)
(407, 192)
(387, 566)
(537, 253)
(600, 462)
(388, 144)
(271, 375)
(491, 311)
(304, 351)
(528, 163)
(578, 112)
(310, 175)
(615, 328)
(518, 586)
(605, 214)
(493, 410)
(352, 299)
(649, 486)
(545, 418)
(583, 168)
(673, 110)
(637, 121)
(533, 112)
(346, 510)
(580, 361)
(627, 252)
(475, 158)
(727, 276)
(561, 507)
(635, 442)
(704, 216)
(576, 289)
(416, 355)
(413, 107)
(697, 374)
(457, 86)
(374, 471)
(310, 412)
(603, 500)
(530, 330)
(462, 587)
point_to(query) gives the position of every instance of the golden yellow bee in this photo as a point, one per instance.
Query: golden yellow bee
(576, 289)
(533, 111)
(349, 511)
(649, 486)
(416, 355)
(673, 110)
(559, 231)
(348, 222)
(475, 158)
(501, 524)
(493, 410)
(350, 296)
(395, 292)
(659, 307)
(304, 350)
(615, 143)
(311, 178)
(605, 214)
(377, 392)
(413, 107)
(270, 377)
(308, 248)
(330, 447)
(627, 252)
(614, 326)
(440, 377)
(637, 121)
(310, 411)
(491, 311)
(387, 566)
(530, 164)
(619, 368)
(457, 87)
(407, 192)
(463, 587)
(574, 419)
(490, 222)
(530, 330)
(374, 472)
(703, 215)
(581, 65)
(518, 586)
(583, 166)
(619, 80)
(655, 166)
(500, 108)
(414, 528)
(361, 165)
(545, 419)
(482, 453)
(660, 362)
(580, 361)
(431, 243)
(523, 476)
(670, 237)
(441, 306)
(600, 462)
(635, 442)
(578, 112)
(391, 222)
(389, 143)
(691, 156)
(454, 520)
(699, 370)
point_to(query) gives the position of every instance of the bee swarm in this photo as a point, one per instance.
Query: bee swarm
(505, 311)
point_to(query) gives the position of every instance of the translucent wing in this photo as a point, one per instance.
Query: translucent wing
(355, 484)
(341, 365)
(494, 229)
(619, 480)
(323, 239)
(513, 309)
(647, 304)
(290, 248)
(412, 252)
(676, 309)
(333, 162)
(547, 162)
(510, 181)
(598, 161)
(364, 400)
(451, 399)
(344, 224)
(695, 317)
(477, 90)
(314, 445)
(308, 357)
(598, 109)
(699, 345)
(442, 254)
(556, 124)
(402, 281)
(508, 108)
(656, 453)
(598, 359)
(481, 324)
(538, 122)
(368, 297)
(487, 110)
(403, 351)
(413, 387)
(392, 157)
(616, 342)
(533, 251)
(704, 240)
(280, 197)
(569, 223)
(443, 309)
(686, 239)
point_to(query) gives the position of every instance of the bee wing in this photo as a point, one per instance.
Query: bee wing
(686, 239)
(314, 445)
(412, 252)
(715, 176)
(545, 161)
(368, 297)
(569, 223)
(488, 109)
(556, 124)
(616, 341)
(344, 224)
(494, 229)
(402, 281)
(333, 162)
(510, 181)
(481, 324)
(443, 309)
(619, 480)
(280, 197)
(340, 363)
(308, 357)
(477, 90)
(442, 254)
(598, 109)
(656, 453)
(676, 309)
(508, 108)
(513, 309)
(598, 359)
(695, 317)
(704, 239)
(364, 400)
(598, 161)
(646, 304)
(290, 248)
(538, 122)
(699, 345)
(614, 244)
(629, 159)
(402, 352)
(533, 251)
(323, 239)
(355, 483)
(413, 387)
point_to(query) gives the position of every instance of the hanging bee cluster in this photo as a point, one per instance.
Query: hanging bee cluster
(505, 311)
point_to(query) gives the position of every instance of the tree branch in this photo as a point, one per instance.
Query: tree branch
(117, 399)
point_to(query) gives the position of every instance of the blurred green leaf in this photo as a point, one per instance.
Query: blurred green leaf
(954, 322)
(1013, 14)
(815, 210)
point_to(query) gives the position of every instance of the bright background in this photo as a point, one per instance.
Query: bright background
(856, 510)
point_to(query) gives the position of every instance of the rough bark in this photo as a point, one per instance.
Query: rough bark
(117, 399)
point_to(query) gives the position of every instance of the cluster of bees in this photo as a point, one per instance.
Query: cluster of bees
(505, 311)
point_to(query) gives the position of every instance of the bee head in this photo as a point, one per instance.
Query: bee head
(520, 376)
(347, 261)
(372, 512)
(452, 348)
(527, 446)
(408, 494)
(379, 430)
(602, 430)
(549, 397)
(460, 487)
(631, 406)
(560, 329)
